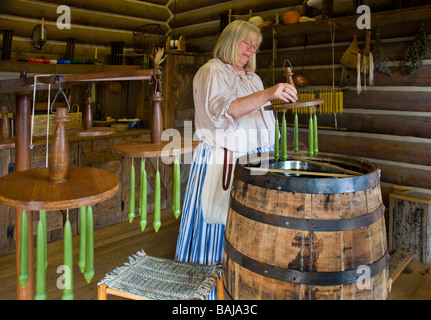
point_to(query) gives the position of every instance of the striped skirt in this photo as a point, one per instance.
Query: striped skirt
(198, 241)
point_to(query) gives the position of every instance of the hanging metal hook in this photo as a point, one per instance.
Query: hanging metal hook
(60, 90)
(284, 64)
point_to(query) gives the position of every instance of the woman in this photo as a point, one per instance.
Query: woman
(228, 96)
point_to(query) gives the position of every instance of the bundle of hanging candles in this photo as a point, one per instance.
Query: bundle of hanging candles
(306, 103)
(333, 100)
(86, 253)
(176, 199)
(312, 134)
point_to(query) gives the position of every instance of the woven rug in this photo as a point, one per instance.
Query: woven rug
(163, 279)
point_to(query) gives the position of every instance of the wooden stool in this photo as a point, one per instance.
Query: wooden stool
(151, 278)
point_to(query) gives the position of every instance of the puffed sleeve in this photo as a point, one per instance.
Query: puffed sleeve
(213, 94)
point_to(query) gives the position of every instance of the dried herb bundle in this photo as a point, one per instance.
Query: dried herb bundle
(416, 52)
(380, 58)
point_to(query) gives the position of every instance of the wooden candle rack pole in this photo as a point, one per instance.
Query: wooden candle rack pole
(5, 128)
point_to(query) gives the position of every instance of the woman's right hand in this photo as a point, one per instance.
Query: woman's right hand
(283, 91)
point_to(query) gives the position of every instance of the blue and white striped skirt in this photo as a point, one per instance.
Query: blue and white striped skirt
(198, 241)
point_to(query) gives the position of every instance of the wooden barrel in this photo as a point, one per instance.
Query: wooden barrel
(306, 237)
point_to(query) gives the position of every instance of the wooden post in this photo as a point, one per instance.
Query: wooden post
(88, 115)
(59, 155)
(156, 125)
(101, 292)
(5, 128)
(327, 9)
(22, 162)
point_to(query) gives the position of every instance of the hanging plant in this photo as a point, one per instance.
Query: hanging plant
(416, 52)
(380, 59)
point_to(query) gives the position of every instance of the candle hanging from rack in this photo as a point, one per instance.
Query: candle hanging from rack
(68, 261)
(315, 142)
(157, 223)
(277, 138)
(143, 196)
(42, 217)
(89, 247)
(177, 188)
(132, 193)
(82, 236)
(295, 130)
(23, 253)
(284, 137)
(40, 289)
(310, 136)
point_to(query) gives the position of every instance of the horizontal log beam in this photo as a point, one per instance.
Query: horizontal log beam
(396, 160)
(139, 9)
(324, 76)
(379, 122)
(91, 35)
(398, 99)
(212, 13)
(383, 147)
(405, 174)
(83, 17)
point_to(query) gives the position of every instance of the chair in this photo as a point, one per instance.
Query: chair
(151, 278)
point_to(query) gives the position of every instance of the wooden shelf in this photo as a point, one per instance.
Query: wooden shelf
(27, 83)
(318, 31)
(378, 19)
(42, 68)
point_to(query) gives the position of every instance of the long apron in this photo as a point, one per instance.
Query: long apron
(198, 241)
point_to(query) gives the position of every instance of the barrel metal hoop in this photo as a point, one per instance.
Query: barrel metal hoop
(276, 181)
(307, 224)
(307, 277)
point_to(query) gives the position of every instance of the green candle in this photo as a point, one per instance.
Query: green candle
(177, 188)
(68, 261)
(310, 137)
(277, 138)
(89, 246)
(284, 137)
(315, 142)
(42, 218)
(157, 223)
(132, 193)
(295, 147)
(82, 223)
(23, 253)
(40, 291)
(143, 196)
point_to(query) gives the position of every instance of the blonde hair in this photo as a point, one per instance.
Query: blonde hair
(226, 48)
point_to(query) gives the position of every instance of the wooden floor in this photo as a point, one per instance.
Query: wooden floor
(113, 245)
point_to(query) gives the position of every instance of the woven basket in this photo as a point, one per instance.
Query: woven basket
(39, 124)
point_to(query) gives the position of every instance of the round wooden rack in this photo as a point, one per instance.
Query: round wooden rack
(293, 105)
(144, 148)
(34, 190)
(93, 132)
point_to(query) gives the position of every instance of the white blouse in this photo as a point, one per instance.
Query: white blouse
(215, 86)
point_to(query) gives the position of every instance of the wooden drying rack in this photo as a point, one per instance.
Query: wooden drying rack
(66, 194)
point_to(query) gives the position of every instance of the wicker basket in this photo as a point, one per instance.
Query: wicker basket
(39, 124)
